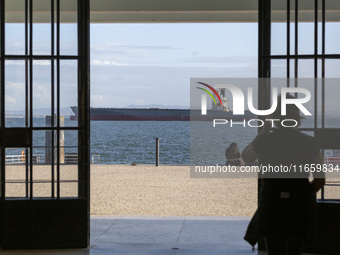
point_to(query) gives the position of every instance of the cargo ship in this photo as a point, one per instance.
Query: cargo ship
(157, 114)
(219, 111)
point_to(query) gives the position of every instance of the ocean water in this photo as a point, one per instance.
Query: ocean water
(132, 142)
(120, 142)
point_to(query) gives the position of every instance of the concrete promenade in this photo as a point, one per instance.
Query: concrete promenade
(161, 235)
(167, 212)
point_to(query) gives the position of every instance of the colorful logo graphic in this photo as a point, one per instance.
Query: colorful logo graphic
(208, 92)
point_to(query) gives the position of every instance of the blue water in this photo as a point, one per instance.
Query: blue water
(120, 142)
(129, 142)
(132, 142)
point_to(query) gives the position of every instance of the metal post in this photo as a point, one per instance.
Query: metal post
(157, 150)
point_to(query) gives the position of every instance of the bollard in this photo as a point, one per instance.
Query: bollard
(157, 151)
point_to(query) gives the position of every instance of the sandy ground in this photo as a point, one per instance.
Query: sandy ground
(149, 190)
(167, 190)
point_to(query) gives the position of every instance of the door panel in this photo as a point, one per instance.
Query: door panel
(44, 170)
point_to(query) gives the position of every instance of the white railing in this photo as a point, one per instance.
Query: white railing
(40, 159)
(21, 159)
(15, 159)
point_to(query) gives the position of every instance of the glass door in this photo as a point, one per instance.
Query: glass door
(44, 154)
(297, 43)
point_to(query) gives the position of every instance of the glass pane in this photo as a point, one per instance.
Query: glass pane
(306, 28)
(69, 189)
(41, 92)
(69, 163)
(292, 34)
(332, 103)
(278, 68)
(306, 68)
(70, 138)
(279, 27)
(42, 175)
(68, 27)
(15, 27)
(42, 147)
(332, 30)
(15, 190)
(308, 121)
(42, 144)
(16, 164)
(42, 188)
(17, 171)
(68, 89)
(279, 39)
(69, 146)
(319, 33)
(41, 31)
(292, 68)
(15, 93)
(42, 159)
(332, 67)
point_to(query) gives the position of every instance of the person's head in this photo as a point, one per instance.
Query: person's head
(233, 145)
(292, 112)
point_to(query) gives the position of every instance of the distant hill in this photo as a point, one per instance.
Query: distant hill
(157, 106)
(41, 112)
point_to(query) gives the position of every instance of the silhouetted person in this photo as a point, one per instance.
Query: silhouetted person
(287, 203)
(232, 153)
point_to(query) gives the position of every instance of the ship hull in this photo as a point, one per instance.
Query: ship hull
(127, 114)
(134, 118)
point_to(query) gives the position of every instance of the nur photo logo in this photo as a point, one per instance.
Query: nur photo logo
(217, 93)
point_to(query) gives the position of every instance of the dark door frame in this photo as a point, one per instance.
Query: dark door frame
(51, 222)
(328, 232)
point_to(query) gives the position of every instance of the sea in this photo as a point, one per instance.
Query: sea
(133, 142)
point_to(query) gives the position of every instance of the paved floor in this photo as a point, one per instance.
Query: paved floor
(162, 235)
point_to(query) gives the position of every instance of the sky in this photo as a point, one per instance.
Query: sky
(144, 64)
(153, 63)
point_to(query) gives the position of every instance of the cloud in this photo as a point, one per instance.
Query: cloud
(119, 54)
(15, 87)
(118, 45)
(41, 95)
(125, 85)
(101, 100)
(14, 95)
(98, 62)
(10, 100)
(234, 60)
(148, 47)
(15, 62)
(42, 62)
